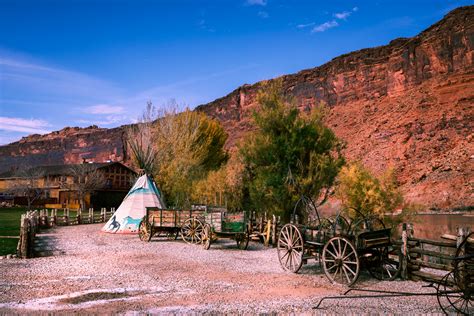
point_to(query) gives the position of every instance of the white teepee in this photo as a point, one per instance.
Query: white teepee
(126, 219)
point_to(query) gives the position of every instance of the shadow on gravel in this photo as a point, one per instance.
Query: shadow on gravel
(46, 245)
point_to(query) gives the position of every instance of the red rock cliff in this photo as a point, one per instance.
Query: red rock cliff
(406, 105)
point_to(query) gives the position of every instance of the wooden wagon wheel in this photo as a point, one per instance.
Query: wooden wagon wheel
(464, 265)
(385, 264)
(145, 231)
(206, 236)
(242, 240)
(290, 248)
(191, 231)
(340, 261)
(452, 299)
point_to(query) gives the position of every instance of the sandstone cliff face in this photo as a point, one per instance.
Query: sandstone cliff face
(67, 146)
(406, 105)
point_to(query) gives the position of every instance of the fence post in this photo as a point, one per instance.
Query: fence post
(274, 230)
(66, 217)
(79, 216)
(404, 252)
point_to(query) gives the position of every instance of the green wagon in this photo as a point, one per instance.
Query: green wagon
(219, 223)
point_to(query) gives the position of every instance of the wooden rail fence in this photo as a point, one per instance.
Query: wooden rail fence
(418, 253)
(33, 221)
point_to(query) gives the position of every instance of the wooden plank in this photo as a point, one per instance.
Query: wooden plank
(430, 253)
(446, 267)
(434, 242)
(420, 275)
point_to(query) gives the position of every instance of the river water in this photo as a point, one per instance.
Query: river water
(432, 226)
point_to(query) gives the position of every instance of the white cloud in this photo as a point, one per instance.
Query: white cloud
(325, 26)
(107, 120)
(263, 14)
(257, 2)
(104, 109)
(342, 15)
(16, 124)
(302, 26)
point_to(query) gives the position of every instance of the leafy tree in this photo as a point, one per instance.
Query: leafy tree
(291, 154)
(358, 189)
(188, 146)
(222, 186)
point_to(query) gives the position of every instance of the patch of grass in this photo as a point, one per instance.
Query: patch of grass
(8, 246)
(10, 221)
(9, 226)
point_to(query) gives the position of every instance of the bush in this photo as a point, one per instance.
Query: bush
(291, 154)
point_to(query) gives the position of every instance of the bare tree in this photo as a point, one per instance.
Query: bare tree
(27, 184)
(86, 179)
(140, 140)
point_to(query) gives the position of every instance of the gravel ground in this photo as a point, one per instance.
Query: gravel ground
(84, 270)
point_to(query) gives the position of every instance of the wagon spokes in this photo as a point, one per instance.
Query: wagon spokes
(290, 248)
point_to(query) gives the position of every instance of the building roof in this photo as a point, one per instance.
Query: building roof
(59, 170)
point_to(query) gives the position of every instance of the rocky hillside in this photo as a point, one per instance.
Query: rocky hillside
(407, 105)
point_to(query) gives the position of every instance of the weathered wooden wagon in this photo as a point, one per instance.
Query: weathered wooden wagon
(342, 248)
(455, 292)
(168, 222)
(219, 223)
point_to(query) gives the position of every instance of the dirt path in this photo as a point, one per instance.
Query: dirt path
(89, 271)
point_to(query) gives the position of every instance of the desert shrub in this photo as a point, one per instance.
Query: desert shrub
(290, 154)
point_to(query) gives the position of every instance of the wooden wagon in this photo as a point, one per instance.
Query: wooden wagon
(342, 248)
(221, 224)
(170, 223)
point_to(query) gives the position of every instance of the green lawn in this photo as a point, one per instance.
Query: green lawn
(9, 226)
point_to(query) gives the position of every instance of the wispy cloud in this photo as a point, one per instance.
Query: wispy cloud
(104, 109)
(302, 26)
(256, 2)
(344, 15)
(263, 14)
(325, 26)
(107, 120)
(330, 24)
(16, 124)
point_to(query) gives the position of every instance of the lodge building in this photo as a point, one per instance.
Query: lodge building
(56, 184)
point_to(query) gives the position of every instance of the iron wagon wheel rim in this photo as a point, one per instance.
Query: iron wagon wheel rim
(462, 266)
(451, 297)
(341, 262)
(369, 221)
(144, 230)
(206, 237)
(191, 231)
(242, 240)
(387, 268)
(290, 248)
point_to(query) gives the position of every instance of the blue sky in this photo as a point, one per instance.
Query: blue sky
(78, 63)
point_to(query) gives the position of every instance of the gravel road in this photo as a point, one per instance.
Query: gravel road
(84, 270)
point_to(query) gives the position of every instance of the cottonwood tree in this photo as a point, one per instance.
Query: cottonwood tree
(177, 148)
(358, 189)
(188, 146)
(27, 184)
(86, 180)
(290, 155)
